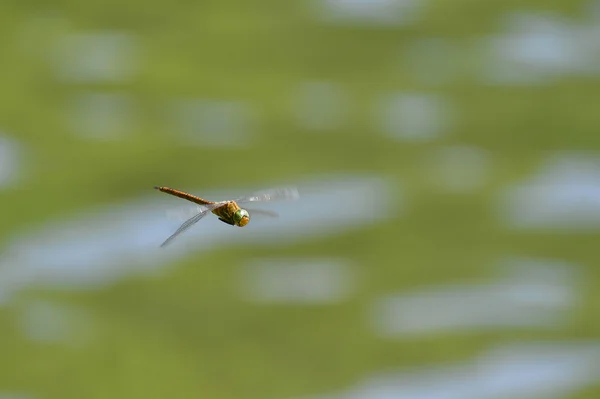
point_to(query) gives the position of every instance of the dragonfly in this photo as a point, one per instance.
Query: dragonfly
(228, 211)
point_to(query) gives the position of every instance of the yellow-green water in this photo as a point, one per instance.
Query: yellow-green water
(442, 113)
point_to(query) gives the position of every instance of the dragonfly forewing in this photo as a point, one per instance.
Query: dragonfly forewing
(275, 194)
(262, 212)
(189, 223)
(183, 212)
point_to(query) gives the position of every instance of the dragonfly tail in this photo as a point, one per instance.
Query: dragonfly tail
(186, 196)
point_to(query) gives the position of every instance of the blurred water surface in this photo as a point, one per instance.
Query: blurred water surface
(444, 245)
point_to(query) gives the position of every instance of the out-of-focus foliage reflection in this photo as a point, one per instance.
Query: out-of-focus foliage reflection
(445, 244)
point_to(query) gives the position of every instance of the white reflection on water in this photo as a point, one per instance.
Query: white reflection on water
(534, 294)
(369, 12)
(413, 116)
(311, 281)
(592, 11)
(538, 48)
(109, 243)
(320, 105)
(15, 396)
(211, 122)
(96, 115)
(433, 61)
(43, 321)
(548, 370)
(91, 57)
(564, 194)
(10, 161)
(458, 169)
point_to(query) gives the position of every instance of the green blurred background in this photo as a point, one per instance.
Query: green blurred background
(444, 245)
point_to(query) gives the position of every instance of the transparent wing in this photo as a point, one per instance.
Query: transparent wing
(183, 212)
(284, 193)
(188, 223)
(263, 212)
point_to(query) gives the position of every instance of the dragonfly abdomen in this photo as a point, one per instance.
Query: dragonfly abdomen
(187, 196)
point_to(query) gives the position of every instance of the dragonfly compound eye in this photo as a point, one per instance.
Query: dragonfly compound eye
(241, 217)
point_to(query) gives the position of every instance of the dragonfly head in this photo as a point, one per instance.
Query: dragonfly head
(241, 217)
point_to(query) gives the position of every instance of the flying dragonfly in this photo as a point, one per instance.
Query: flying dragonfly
(228, 211)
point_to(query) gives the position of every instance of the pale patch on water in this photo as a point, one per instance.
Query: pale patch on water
(320, 105)
(206, 122)
(47, 322)
(533, 294)
(369, 12)
(591, 8)
(458, 169)
(101, 115)
(96, 57)
(308, 281)
(7, 395)
(592, 11)
(546, 370)
(564, 194)
(105, 244)
(433, 61)
(538, 48)
(38, 33)
(413, 116)
(10, 161)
